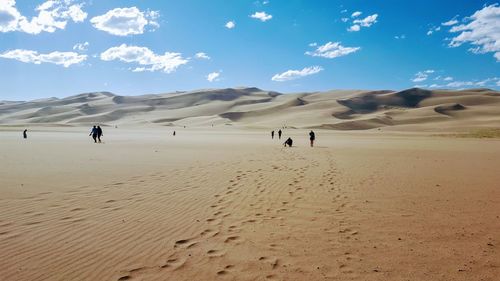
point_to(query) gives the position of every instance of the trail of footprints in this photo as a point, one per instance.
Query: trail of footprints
(227, 232)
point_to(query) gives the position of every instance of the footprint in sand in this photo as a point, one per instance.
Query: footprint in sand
(215, 253)
(232, 239)
(225, 270)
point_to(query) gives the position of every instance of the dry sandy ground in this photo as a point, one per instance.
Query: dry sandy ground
(235, 205)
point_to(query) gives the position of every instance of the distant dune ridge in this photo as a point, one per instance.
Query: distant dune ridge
(253, 107)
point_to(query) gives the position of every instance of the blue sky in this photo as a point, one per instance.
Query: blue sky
(65, 47)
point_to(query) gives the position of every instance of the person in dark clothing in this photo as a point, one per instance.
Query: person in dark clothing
(25, 133)
(312, 137)
(272, 134)
(288, 142)
(93, 133)
(174, 133)
(99, 133)
(279, 134)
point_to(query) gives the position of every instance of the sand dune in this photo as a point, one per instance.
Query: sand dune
(253, 107)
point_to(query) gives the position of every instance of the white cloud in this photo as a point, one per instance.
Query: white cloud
(262, 16)
(433, 29)
(125, 21)
(344, 19)
(60, 58)
(202, 55)
(451, 22)
(230, 25)
(81, 46)
(368, 21)
(448, 81)
(356, 14)
(343, 11)
(211, 77)
(481, 31)
(314, 44)
(358, 23)
(332, 50)
(402, 36)
(295, 74)
(147, 59)
(457, 84)
(354, 28)
(52, 15)
(422, 75)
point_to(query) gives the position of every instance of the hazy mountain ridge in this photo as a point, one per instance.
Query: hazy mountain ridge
(253, 107)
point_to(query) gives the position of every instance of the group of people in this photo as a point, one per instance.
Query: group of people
(289, 141)
(96, 133)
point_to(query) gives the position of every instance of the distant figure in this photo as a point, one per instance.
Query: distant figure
(279, 134)
(174, 133)
(288, 142)
(25, 133)
(272, 134)
(312, 137)
(99, 133)
(93, 133)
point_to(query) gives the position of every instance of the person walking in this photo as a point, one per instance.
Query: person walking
(93, 133)
(174, 133)
(272, 134)
(25, 133)
(279, 134)
(99, 133)
(312, 137)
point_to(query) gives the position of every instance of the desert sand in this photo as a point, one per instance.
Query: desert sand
(412, 109)
(399, 186)
(232, 204)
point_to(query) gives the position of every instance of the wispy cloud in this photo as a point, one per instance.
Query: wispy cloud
(358, 23)
(422, 75)
(356, 14)
(81, 46)
(332, 50)
(451, 22)
(147, 59)
(296, 74)
(65, 59)
(125, 21)
(262, 16)
(448, 82)
(482, 31)
(202, 55)
(52, 15)
(433, 29)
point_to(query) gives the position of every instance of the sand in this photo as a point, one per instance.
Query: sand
(227, 203)
(410, 110)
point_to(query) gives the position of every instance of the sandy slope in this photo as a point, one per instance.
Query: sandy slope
(255, 108)
(227, 204)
